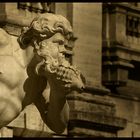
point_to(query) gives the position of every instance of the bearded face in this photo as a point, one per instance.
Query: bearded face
(52, 54)
(51, 51)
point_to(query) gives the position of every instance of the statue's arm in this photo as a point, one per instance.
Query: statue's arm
(54, 109)
(60, 83)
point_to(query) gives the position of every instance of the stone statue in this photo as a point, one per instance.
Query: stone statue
(33, 69)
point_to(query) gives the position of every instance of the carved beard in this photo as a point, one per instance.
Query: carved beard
(48, 62)
(51, 65)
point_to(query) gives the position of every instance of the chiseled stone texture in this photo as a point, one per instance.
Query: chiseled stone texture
(30, 124)
(93, 116)
(13, 19)
(91, 103)
(87, 26)
(129, 110)
(132, 130)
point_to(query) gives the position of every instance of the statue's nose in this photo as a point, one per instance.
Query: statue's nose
(62, 49)
(81, 89)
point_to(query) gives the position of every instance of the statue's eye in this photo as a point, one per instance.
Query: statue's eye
(60, 42)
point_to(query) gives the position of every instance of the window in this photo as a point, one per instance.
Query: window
(132, 26)
(134, 73)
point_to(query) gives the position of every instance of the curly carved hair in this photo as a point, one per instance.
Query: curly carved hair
(43, 27)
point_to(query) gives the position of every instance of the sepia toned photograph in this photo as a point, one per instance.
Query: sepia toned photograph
(69, 69)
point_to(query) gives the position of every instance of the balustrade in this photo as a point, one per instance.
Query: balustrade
(37, 7)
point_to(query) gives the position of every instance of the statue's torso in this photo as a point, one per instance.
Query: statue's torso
(12, 78)
(17, 88)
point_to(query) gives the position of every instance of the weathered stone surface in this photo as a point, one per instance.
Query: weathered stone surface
(91, 103)
(23, 132)
(127, 106)
(93, 113)
(123, 108)
(128, 131)
(6, 132)
(104, 120)
(88, 58)
(19, 121)
(90, 133)
(35, 72)
(136, 131)
(87, 51)
(12, 19)
(97, 108)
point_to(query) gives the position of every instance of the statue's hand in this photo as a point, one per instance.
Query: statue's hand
(60, 74)
(66, 79)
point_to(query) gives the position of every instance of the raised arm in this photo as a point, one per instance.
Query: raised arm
(52, 103)
(49, 34)
(54, 109)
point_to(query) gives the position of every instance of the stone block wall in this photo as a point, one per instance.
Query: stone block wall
(87, 26)
(128, 109)
(120, 49)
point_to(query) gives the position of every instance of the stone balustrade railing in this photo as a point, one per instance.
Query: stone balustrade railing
(37, 7)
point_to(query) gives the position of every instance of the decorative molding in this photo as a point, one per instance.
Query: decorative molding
(118, 51)
(113, 7)
(110, 122)
(95, 114)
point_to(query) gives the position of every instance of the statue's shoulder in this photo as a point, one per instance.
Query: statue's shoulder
(4, 37)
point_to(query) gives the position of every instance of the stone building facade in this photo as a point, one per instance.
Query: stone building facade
(105, 47)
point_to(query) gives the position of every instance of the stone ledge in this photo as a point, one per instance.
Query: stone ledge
(80, 132)
(121, 46)
(91, 98)
(100, 121)
(96, 90)
(90, 107)
(24, 132)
